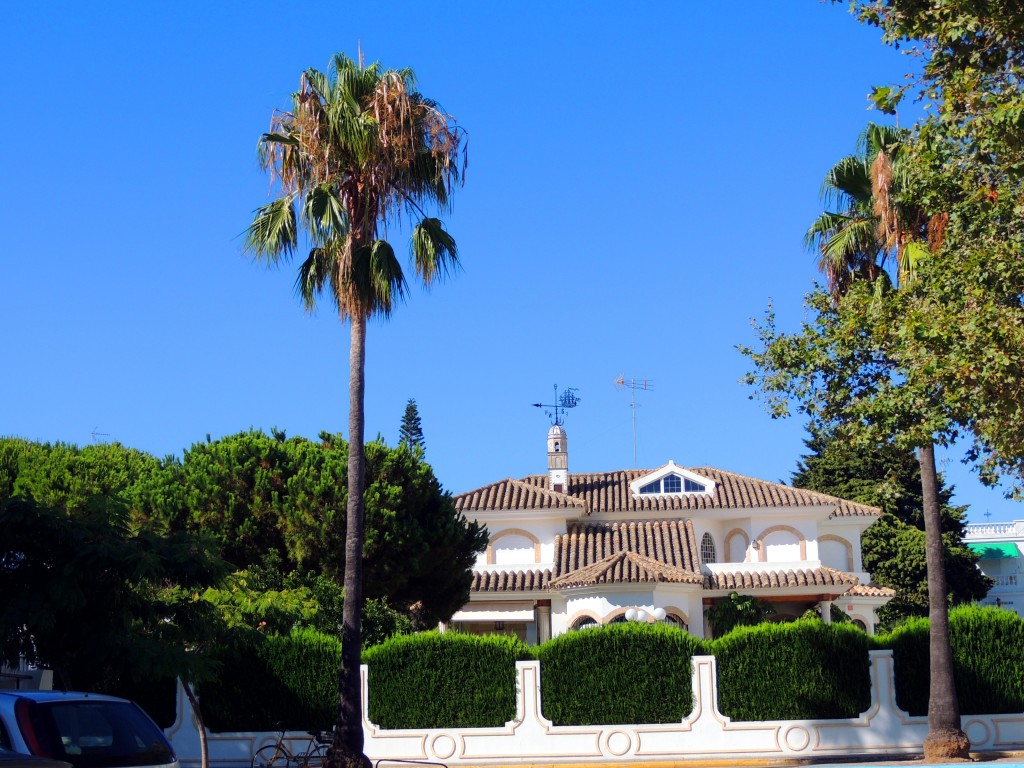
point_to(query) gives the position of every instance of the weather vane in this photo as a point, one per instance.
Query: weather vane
(562, 403)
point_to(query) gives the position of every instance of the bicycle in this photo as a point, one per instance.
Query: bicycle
(280, 755)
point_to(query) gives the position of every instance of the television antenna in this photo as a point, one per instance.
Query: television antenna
(644, 385)
(563, 402)
(96, 433)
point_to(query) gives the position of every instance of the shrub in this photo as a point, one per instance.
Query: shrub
(444, 680)
(987, 645)
(620, 673)
(272, 681)
(804, 669)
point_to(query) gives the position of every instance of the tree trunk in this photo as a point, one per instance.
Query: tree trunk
(204, 747)
(347, 745)
(946, 740)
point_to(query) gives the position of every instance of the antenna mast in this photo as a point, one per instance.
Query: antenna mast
(562, 403)
(634, 385)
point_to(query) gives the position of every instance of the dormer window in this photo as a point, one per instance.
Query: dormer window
(672, 480)
(673, 484)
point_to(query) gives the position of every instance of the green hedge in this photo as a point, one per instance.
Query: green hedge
(444, 680)
(804, 669)
(620, 673)
(988, 646)
(267, 681)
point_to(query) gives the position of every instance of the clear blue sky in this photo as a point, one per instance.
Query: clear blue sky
(640, 180)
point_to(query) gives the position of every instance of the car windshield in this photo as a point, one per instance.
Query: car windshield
(99, 734)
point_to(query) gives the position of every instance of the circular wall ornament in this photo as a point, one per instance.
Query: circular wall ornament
(797, 738)
(619, 743)
(978, 732)
(443, 746)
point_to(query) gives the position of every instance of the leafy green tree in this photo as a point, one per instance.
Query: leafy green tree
(359, 147)
(99, 600)
(961, 324)
(894, 546)
(264, 597)
(737, 610)
(411, 433)
(275, 506)
(67, 477)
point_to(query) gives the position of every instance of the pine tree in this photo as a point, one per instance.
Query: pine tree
(893, 548)
(411, 433)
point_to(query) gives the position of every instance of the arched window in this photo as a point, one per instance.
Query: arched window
(676, 621)
(707, 549)
(584, 622)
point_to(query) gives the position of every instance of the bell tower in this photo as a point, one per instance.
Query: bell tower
(558, 451)
(558, 460)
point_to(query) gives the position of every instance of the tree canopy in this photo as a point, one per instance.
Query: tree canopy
(893, 547)
(257, 493)
(100, 600)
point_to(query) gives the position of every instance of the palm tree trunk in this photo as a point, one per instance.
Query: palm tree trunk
(347, 746)
(946, 740)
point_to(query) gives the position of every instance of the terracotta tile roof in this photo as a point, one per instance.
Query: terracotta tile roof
(625, 567)
(649, 550)
(510, 581)
(516, 494)
(609, 492)
(871, 590)
(804, 577)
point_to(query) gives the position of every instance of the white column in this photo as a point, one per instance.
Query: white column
(542, 617)
(825, 609)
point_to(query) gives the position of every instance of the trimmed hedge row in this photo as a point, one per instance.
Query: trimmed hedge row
(802, 670)
(988, 645)
(271, 681)
(444, 679)
(622, 673)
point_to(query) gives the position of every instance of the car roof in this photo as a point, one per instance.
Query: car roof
(59, 696)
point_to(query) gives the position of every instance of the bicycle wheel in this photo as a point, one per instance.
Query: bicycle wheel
(270, 756)
(315, 757)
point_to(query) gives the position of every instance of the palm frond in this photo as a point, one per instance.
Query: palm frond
(317, 275)
(377, 280)
(273, 233)
(847, 183)
(323, 213)
(433, 250)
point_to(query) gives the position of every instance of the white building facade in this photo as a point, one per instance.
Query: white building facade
(570, 550)
(1000, 547)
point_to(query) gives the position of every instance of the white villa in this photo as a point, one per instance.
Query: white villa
(1000, 546)
(570, 550)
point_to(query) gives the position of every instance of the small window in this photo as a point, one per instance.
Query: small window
(707, 549)
(654, 487)
(692, 487)
(558, 446)
(672, 484)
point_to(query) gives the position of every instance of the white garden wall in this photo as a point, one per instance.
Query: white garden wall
(883, 729)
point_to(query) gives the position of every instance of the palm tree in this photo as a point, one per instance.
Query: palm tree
(847, 241)
(876, 227)
(360, 148)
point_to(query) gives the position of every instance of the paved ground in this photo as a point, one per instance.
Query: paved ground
(987, 758)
